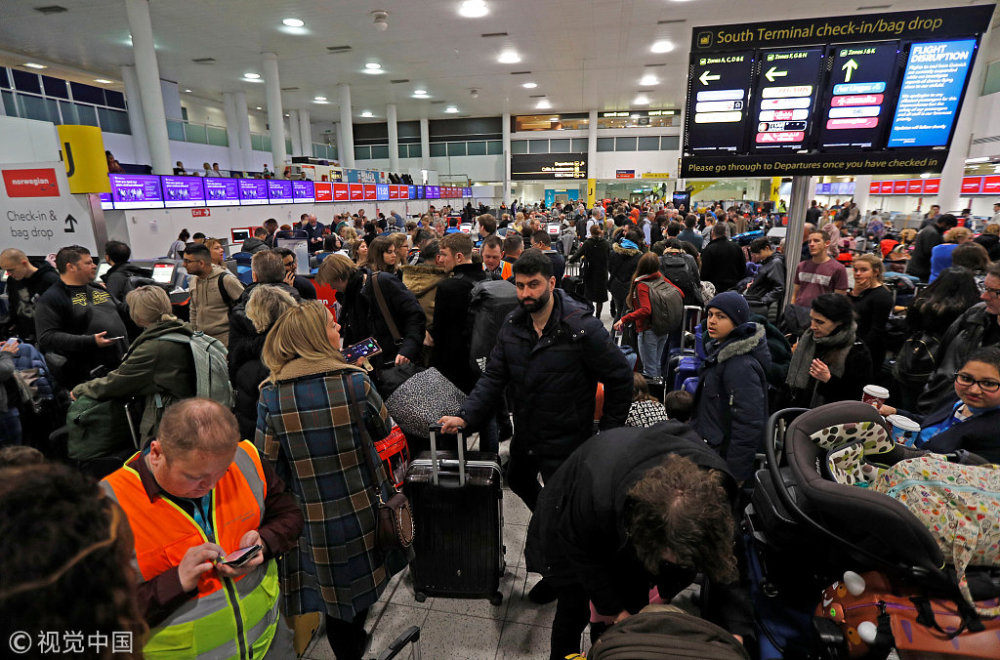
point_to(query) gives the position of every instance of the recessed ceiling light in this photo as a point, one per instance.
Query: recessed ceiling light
(473, 9)
(105, 81)
(509, 57)
(648, 80)
(321, 99)
(34, 65)
(251, 76)
(642, 99)
(373, 65)
(420, 92)
(451, 109)
(529, 85)
(187, 91)
(259, 108)
(662, 46)
(544, 105)
(293, 22)
(367, 113)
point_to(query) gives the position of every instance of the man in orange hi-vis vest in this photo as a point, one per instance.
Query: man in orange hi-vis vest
(193, 497)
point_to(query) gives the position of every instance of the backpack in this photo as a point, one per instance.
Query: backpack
(490, 301)
(959, 504)
(665, 632)
(667, 304)
(210, 365)
(137, 281)
(674, 268)
(916, 360)
(97, 428)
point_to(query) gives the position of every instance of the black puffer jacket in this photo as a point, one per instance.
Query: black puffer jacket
(554, 379)
(117, 277)
(361, 317)
(722, 264)
(451, 325)
(730, 404)
(768, 284)
(964, 337)
(577, 534)
(621, 268)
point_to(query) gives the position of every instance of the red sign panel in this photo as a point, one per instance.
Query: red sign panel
(404, 192)
(931, 186)
(875, 187)
(972, 185)
(393, 192)
(200, 213)
(341, 193)
(31, 183)
(899, 187)
(886, 187)
(914, 186)
(371, 192)
(324, 192)
(991, 185)
(357, 192)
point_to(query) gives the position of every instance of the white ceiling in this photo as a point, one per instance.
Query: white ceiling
(584, 54)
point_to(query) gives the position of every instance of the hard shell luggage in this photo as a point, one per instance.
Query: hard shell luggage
(457, 498)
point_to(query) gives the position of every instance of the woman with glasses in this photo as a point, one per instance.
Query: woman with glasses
(971, 419)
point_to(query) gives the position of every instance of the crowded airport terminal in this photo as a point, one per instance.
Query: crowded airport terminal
(496, 330)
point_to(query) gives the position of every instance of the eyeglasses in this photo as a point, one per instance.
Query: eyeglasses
(965, 380)
(993, 292)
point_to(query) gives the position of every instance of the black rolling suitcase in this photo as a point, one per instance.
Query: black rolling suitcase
(458, 506)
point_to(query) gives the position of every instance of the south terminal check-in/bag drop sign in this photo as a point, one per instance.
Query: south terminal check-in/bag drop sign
(845, 95)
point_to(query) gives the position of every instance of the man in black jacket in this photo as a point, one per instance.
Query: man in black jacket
(121, 272)
(629, 509)
(927, 239)
(257, 242)
(550, 354)
(25, 284)
(768, 286)
(722, 261)
(301, 283)
(78, 320)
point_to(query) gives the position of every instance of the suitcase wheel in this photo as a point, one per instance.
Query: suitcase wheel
(419, 596)
(496, 599)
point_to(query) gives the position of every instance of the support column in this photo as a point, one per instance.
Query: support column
(802, 189)
(346, 146)
(305, 132)
(136, 120)
(148, 74)
(390, 118)
(862, 186)
(592, 144)
(425, 144)
(232, 131)
(293, 127)
(949, 194)
(275, 115)
(505, 127)
(340, 144)
(243, 128)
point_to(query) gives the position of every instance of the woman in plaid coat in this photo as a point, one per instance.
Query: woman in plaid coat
(306, 425)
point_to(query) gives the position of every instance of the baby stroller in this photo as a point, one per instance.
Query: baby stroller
(806, 532)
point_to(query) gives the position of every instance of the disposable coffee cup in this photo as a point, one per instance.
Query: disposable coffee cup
(904, 430)
(874, 395)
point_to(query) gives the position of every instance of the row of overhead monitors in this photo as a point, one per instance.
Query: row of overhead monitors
(859, 94)
(141, 191)
(971, 185)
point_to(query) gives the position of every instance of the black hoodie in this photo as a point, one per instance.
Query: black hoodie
(22, 295)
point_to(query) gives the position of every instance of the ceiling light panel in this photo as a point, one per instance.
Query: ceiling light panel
(662, 46)
(293, 22)
(509, 56)
(473, 9)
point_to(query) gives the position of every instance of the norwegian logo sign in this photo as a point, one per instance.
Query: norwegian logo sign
(39, 182)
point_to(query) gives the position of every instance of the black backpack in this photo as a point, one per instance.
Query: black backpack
(667, 307)
(490, 301)
(917, 360)
(665, 632)
(674, 268)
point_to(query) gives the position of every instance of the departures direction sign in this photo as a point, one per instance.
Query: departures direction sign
(860, 94)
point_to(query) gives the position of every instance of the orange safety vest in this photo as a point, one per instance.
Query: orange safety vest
(163, 534)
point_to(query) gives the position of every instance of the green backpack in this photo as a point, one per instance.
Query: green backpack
(97, 428)
(210, 365)
(665, 632)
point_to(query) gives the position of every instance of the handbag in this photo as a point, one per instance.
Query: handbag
(391, 377)
(394, 527)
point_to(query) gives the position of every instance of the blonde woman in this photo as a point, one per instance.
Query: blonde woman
(308, 427)
(218, 252)
(872, 304)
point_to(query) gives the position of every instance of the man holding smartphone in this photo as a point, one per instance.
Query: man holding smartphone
(195, 497)
(79, 320)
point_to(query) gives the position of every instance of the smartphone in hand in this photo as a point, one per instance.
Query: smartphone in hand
(239, 557)
(365, 348)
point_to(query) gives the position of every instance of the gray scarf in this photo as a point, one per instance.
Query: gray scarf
(836, 346)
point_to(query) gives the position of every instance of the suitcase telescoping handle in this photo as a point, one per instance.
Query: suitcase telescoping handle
(410, 636)
(434, 430)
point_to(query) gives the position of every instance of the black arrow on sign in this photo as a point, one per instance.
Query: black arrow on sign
(71, 224)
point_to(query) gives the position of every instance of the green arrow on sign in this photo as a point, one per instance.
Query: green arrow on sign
(850, 66)
(773, 73)
(705, 78)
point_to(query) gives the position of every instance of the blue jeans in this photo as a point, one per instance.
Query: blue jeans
(651, 346)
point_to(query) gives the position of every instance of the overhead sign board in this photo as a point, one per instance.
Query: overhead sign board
(864, 94)
(548, 166)
(38, 221)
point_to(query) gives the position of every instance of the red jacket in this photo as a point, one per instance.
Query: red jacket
(642, 314)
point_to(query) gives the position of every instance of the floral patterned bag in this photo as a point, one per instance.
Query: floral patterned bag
(959, 504)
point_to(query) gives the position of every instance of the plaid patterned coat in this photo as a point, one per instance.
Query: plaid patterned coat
(306, 427)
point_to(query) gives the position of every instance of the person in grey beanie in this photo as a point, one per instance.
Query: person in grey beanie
(730, 404)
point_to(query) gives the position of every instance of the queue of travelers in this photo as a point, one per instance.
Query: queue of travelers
(275, 456)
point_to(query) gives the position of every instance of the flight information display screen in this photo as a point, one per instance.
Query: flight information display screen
(785, 98)
(860, 88)
(935, 77)
(719, 86)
